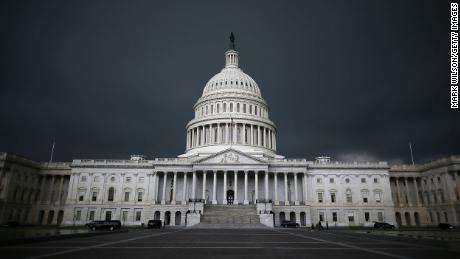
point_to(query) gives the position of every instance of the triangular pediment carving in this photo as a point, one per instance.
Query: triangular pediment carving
(230, 156)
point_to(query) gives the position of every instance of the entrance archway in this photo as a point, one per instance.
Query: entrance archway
(177, 218)
(167, 217)
(230, 196)
(302, 218)
(408, 220)
(292, 217)
(282, 217)
(398, 218)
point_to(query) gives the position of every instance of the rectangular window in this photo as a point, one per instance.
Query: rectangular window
(126, 196)
(378, 197)
(351, 218)
(366, 216)
(237, 107)
(380, 216)
(320, 197)
(318, 180)
(321, 216)
(124, 216)
(363, 180)
(376, 180)
(94, 196)
(83, 178)
(139, 196)
(91, 215)
(81, 197)
(365, 199)
(231, 107)
(331, 180)
(333, 197)
(78, 215)
(244, 108)
(334, 216)
(349, 198)
(138, 215)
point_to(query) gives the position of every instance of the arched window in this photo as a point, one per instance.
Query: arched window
(231, 107)
(218, 106)
(111, 194)
(224, 109)
(244, 108)
(238, 107)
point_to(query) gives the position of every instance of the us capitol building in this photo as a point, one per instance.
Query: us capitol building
(230, 173)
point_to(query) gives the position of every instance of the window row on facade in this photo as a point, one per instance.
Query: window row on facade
(231, 133)
(230, 107)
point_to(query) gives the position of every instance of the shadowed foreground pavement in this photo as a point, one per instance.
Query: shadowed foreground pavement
(231, 243)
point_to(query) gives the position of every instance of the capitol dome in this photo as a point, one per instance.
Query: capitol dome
(231, 113)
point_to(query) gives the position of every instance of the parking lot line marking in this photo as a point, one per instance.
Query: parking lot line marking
(103, 244)
(370, 250)
(382, 241)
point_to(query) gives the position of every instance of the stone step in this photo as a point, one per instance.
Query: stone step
(230, 214)
(229, 226)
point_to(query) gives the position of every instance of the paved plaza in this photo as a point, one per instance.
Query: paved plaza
(235, 243)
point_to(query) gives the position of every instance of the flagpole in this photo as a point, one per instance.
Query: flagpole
(52, 152)
(411, 154)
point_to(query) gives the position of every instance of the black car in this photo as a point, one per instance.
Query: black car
(154, 223)
(104, 224)
(445, 226)
(383, 225)
(289, 224)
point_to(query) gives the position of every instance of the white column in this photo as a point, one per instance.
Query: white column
(235, 133)
(214, 188)
(305, 196)
(243, 140)
(266, 186)
(61, 185)
(224, 194)
(226, 133)
(245, 188)
(204, 186)
(193, 185)
(275, 175)
(184, 191)
(259, 137)
(188, 138)
(174, 189)
(286, 198)
(51, 190)
(296, 198)
(417, 200)
(163, 198)
(256, 187)
(236, 187)
(218, 134)
(251, 139)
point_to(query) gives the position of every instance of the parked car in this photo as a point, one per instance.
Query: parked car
(383, 225)
(104, 224)
(154, 223)
(445, 226)
(289, 224)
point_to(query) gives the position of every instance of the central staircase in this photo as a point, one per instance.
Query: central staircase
(230, 216)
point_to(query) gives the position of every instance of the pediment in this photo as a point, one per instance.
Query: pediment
(230, 156)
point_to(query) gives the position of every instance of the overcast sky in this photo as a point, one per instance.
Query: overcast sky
(106, 79)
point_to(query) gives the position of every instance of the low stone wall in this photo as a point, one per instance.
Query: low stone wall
(266, 219)
(193, 219)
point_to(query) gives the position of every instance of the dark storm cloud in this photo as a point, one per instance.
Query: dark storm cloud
(106, 79)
